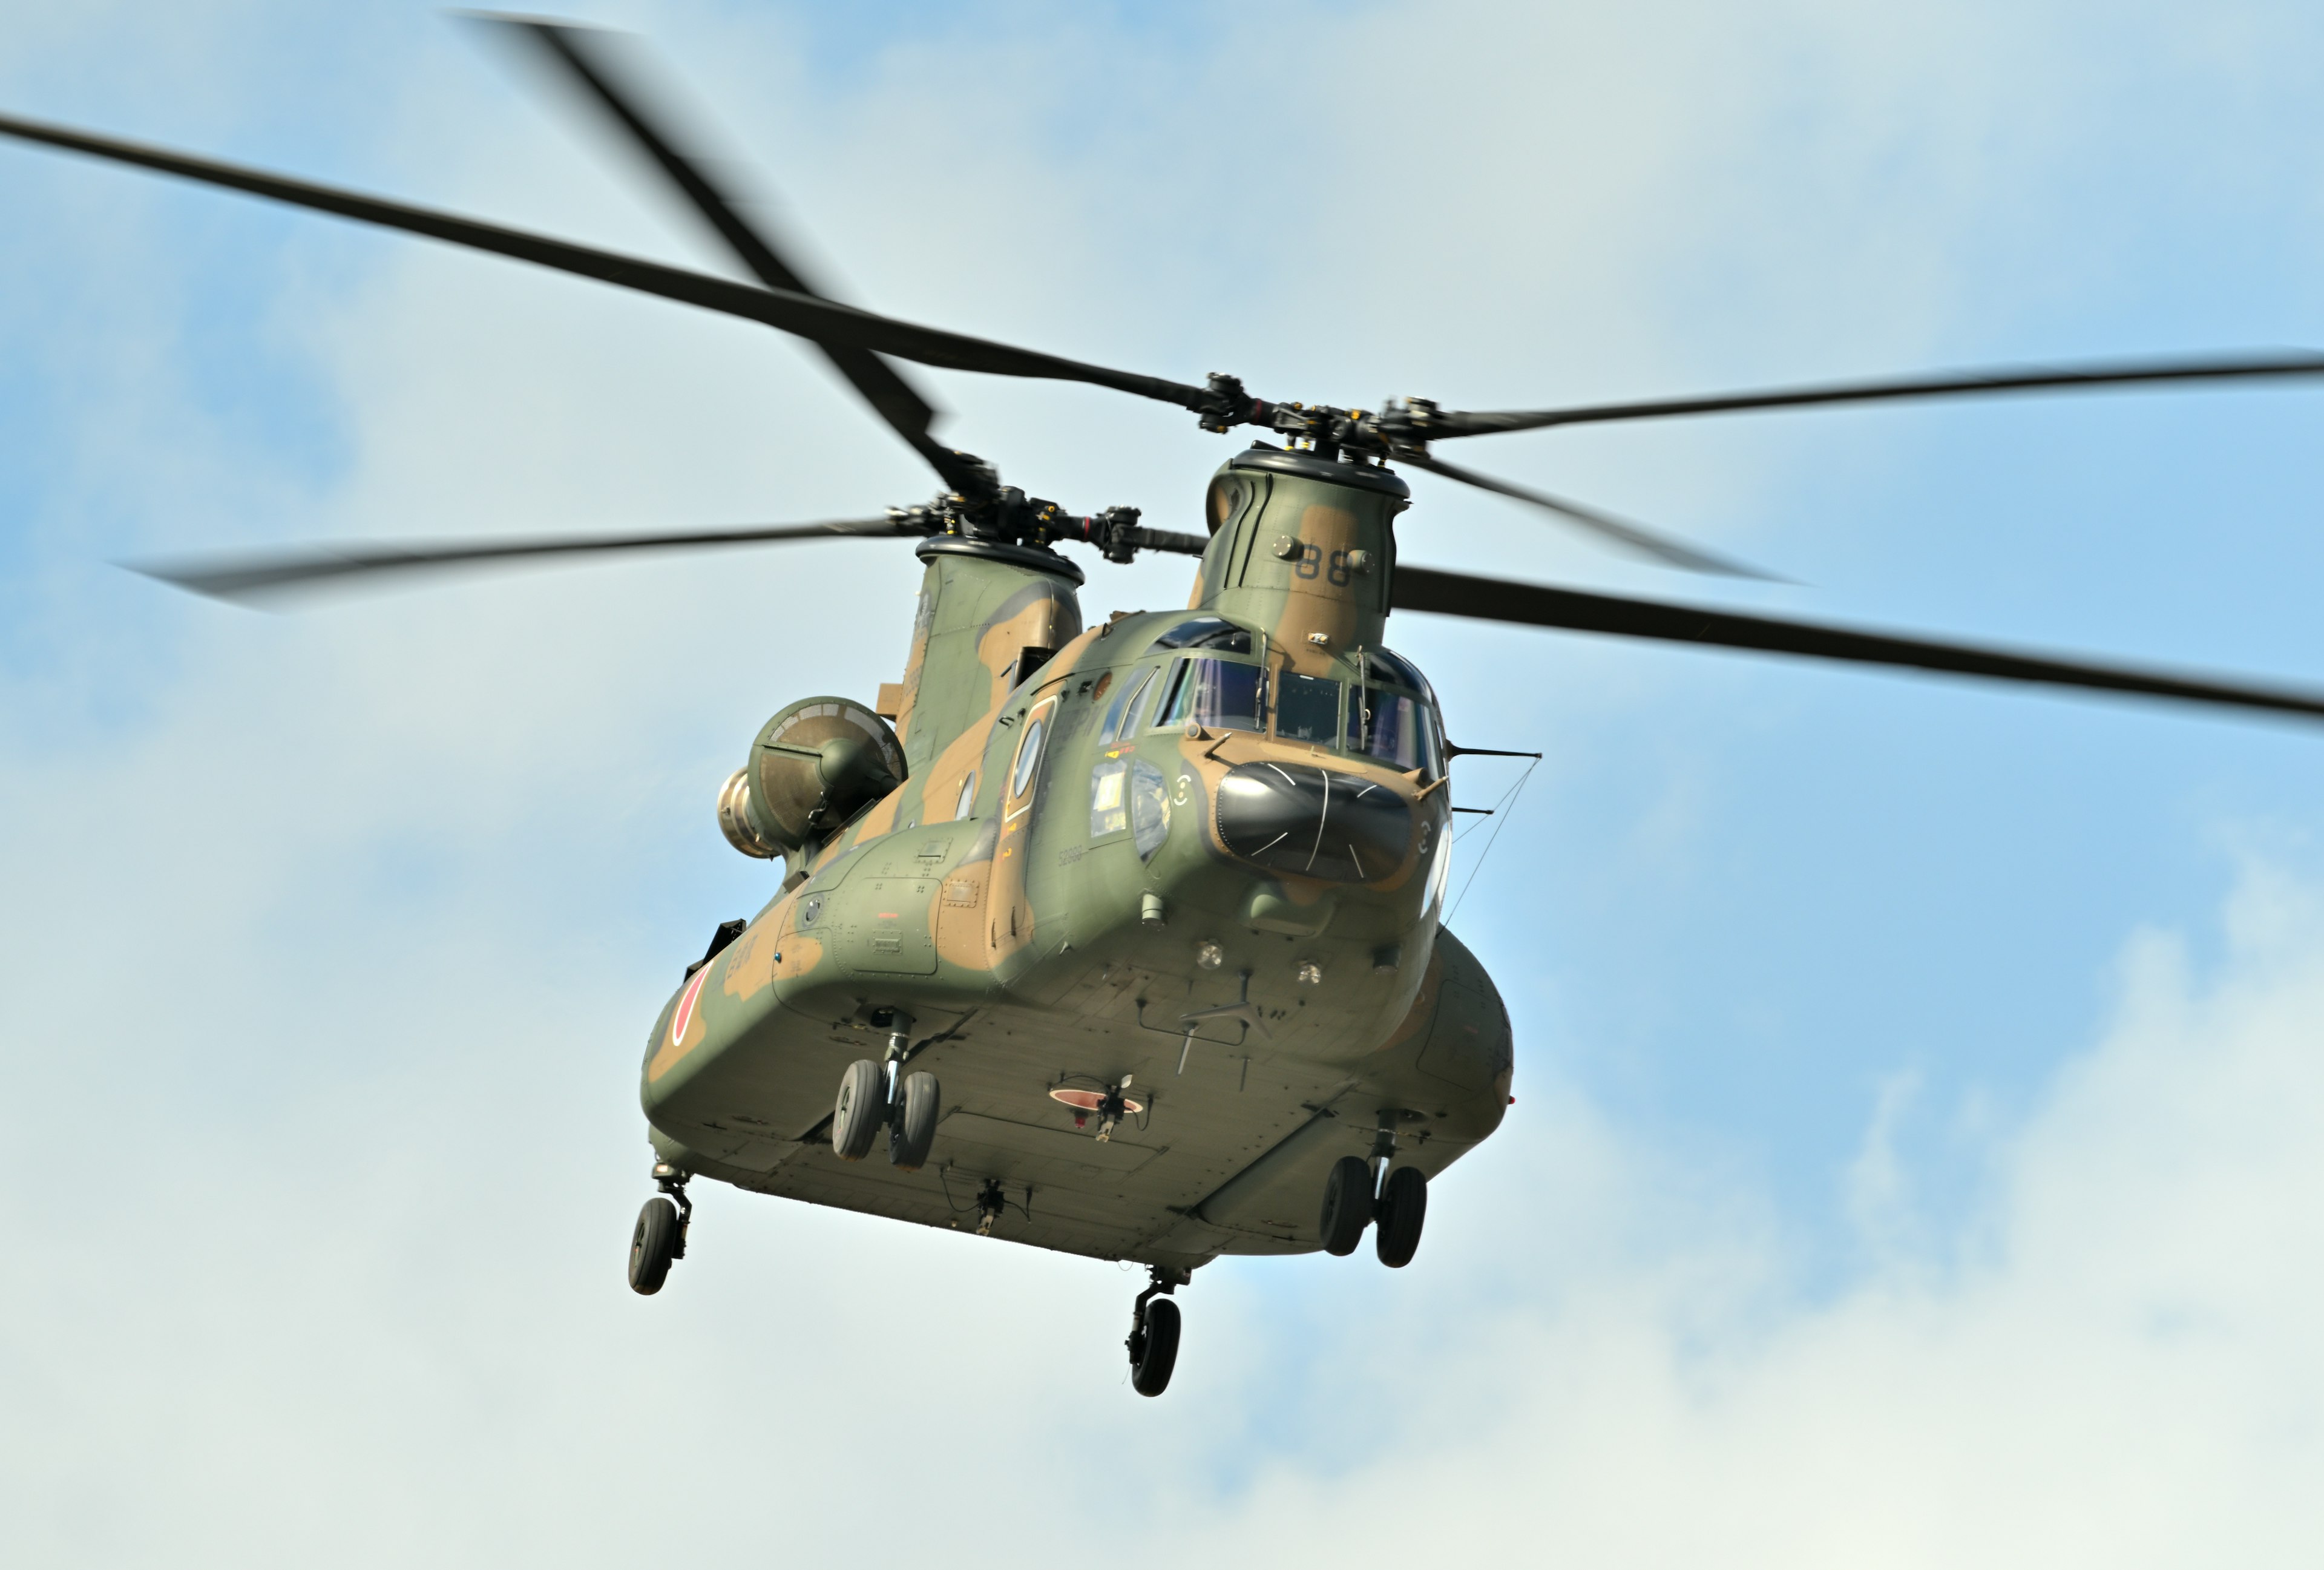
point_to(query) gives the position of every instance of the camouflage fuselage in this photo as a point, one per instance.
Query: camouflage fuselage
(1060, 883)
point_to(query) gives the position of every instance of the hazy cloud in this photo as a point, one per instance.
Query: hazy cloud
(330, 937)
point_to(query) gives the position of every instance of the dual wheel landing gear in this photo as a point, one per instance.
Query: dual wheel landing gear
(659, 1240)
(1153, 1341)
(874, 1094)
(1355, 1196)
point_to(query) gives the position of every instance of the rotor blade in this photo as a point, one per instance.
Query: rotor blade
(1636, 537)
(821, 321)
(586, 54)
(280, 575)
(2099, 376)
(1495, 599)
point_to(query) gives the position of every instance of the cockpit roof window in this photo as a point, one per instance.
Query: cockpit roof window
(1207, 633)
(1385, 667)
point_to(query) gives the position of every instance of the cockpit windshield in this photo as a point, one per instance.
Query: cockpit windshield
(1388, 713)
(1307, 708)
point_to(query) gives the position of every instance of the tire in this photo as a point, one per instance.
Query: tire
(652, 1245)
(1404, 1205)
(862, 1108)
(1157, 1349)
(913, 1128)
(1347, 1204)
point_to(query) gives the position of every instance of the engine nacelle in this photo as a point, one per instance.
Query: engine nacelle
(813, 766)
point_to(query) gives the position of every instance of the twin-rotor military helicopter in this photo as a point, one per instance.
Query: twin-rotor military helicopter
(1128, 937)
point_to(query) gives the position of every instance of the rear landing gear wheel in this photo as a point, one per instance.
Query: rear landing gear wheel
(912, 1122)
(1403, 1205)
(1154, 1347)
(862, 1108)
(653, 1246)
(1347, 1204)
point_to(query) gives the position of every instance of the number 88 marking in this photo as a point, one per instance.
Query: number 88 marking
(1311, 562)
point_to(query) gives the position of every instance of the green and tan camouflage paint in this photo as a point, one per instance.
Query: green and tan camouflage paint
(1014, 940)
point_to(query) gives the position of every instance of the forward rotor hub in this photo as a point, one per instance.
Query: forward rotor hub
(1401, 429)
(1008, 516)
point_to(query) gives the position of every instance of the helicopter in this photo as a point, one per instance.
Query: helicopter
(1124, 939)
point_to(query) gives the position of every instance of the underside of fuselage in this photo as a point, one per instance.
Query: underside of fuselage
(1228, 1157)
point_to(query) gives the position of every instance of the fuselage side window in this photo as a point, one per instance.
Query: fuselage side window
(1028, 758)
(1109, 798)
(1150, 808)
(1026, 773)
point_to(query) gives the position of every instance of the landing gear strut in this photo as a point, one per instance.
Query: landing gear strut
(659, 1240)
(1153, 1341)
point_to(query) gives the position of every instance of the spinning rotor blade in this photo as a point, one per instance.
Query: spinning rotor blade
(585, 55)
(2096, 377)
(1666, 549)
(1493, 599)
(820, 321)
(277, 575)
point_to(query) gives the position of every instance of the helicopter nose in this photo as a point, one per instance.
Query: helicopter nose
(1294, 818)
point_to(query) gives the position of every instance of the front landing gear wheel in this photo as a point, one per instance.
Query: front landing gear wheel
(653, 1246)
(1347, 1204)
(1403, 1205)
(1153, 1341)
(862, 1108)
(1154, 1347)
(912, 1122)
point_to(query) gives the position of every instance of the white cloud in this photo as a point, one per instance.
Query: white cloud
(2113, 1362)
(329, 939)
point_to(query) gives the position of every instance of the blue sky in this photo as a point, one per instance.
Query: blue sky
(1912, 1151)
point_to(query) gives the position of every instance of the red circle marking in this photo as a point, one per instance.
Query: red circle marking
(683, 1017)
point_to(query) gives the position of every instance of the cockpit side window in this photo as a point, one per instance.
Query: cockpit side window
(1125, 704)
(1218, 694)
(1392, 716)
(1386, 725)
(1141, 714)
